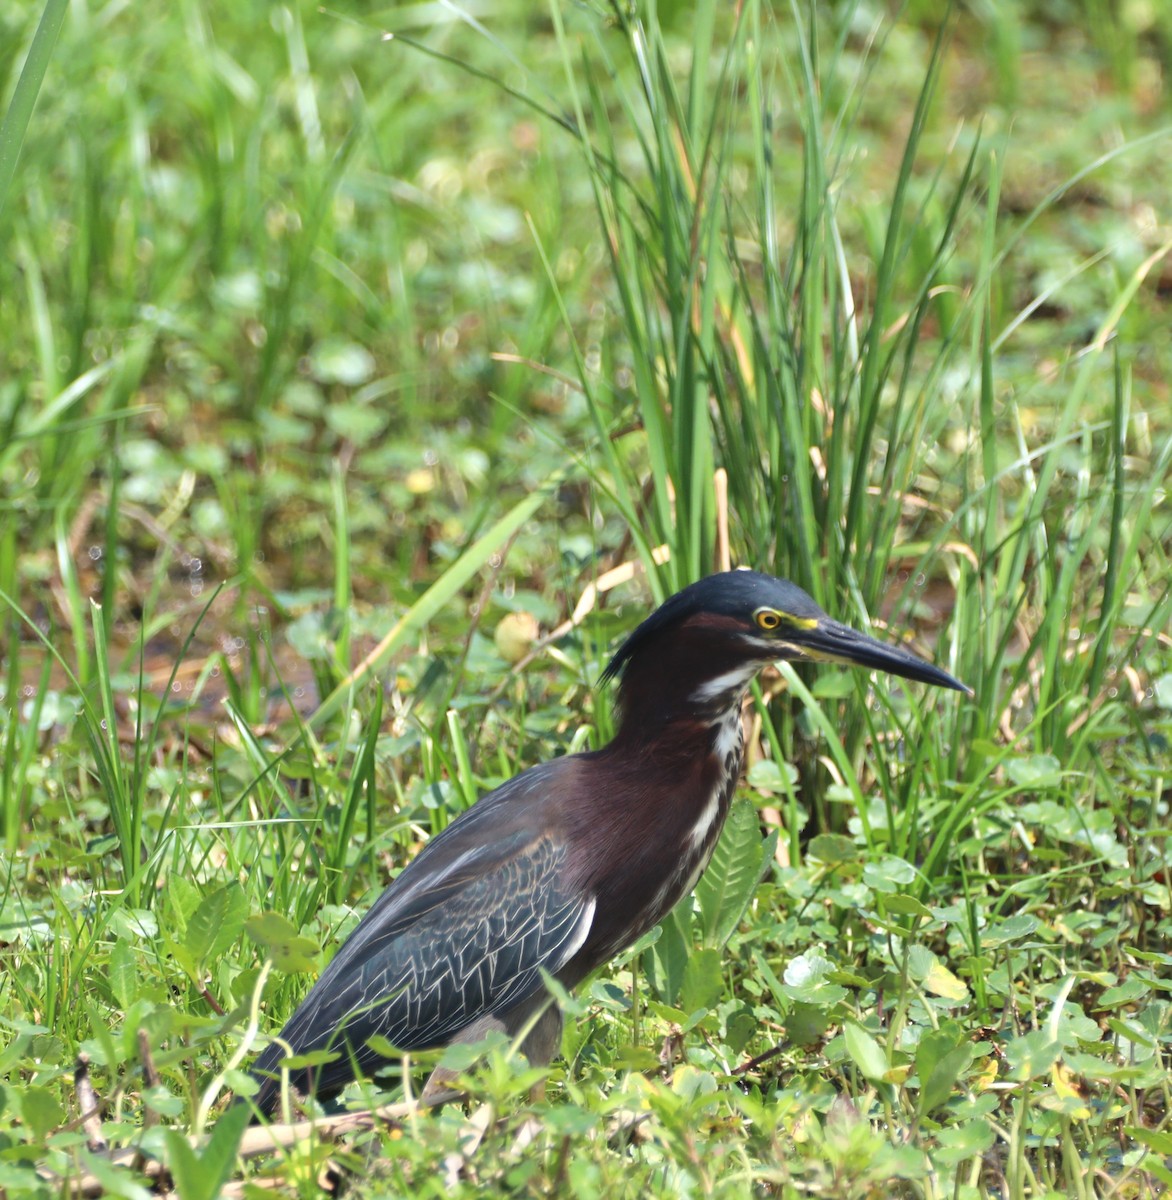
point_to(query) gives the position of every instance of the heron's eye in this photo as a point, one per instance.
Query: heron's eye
(767, 618)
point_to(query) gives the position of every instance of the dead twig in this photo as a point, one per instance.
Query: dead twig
(258, 1140)
(88, 1104)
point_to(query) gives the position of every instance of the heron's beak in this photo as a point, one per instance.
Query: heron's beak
(830, 641)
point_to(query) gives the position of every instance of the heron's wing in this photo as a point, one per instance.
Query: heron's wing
(464, 932)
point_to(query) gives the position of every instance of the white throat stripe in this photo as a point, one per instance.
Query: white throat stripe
(731, 681)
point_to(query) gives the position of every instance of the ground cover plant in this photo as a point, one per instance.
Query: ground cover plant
(358, 393)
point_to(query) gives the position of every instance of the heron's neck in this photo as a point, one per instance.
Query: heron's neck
(685, 700)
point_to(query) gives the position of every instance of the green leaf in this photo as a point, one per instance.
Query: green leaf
(1035, 771)
(216, 923)
(1032, 1055)
(889, 874)
(184, 1165)
(183, 897)
(834, 685)
(358, 422)
(159, 1099)
(806, 1024)
(635, 1058)
(183, 957)
(309, 637)
(725, 889)
(934, 975)
(41, 1110)
(115, 1181)
(1132, 1032)
(832, 848)
(767, 775)
(666, 960)
(703, 980)
(463, 1056)
(940, 1057)
(806, 980)
(1159, 1140)
(1133, 988)
(865, 1052)
(287, 948)
(906, 906)
(219, 1155)
(123, 973)
(380, 1045)
(957, 1144)
(739, 1028)
(1010, 930)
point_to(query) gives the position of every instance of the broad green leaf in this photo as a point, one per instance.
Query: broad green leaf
(889, 874)
(216, 923)
(865, 1052)
(940, 1057)
(462, 1056)
(358, 422)
(1011, 929)
(703, 980)
(739, 1028)
(287, 948)
(1032, 1054)
(834, 685)
(1159, 1140)
(725, 889)
(666, 960)
(691, 1083)
(135, 924)
(163, 1101)
(380, 1045)
(115, 1181)
(806, 1024)
(219, 1155)
(1035, 771)
(1133, 988)
(183, 897)
(41, 1111)
(906, 906)
(934, 975)
(123, 974)
(311, 1058)
(309, 637)
(180, 953)
(833, 848)
(184, 1164)
(958, 1143)
(768, 775)
(807, 980)
(635, 1058)
(1130, 1030)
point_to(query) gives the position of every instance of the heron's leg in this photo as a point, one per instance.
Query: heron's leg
(438, 1089)
(539, 1046)
(543, 1042)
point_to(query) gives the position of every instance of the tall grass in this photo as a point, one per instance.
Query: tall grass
(872, 455)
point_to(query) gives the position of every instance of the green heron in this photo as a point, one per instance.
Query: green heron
(571, 861)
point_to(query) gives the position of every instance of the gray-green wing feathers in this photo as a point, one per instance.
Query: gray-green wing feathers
(464, 932)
